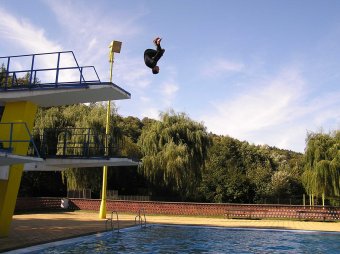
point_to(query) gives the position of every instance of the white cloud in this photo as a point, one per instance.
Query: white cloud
(150, 112)
(133, 74)
(168, 92)
(277, 112)
(88, 24)
(169, 89)
(92, 43)
(95, 27)
(86, 33)
(89, 20)
(264, 105)
(222, 66)
(145, 99)
(158, 92)
(32, 39)
(24, 34)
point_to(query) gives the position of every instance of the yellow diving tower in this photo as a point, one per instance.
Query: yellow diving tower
(47, 79)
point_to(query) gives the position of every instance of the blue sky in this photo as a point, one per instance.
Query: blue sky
(262, 71)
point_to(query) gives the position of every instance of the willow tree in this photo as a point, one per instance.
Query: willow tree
(322, 165)
(174, 151)
(73, 124)
(85, 118)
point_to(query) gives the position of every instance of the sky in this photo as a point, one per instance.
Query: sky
(263, 71)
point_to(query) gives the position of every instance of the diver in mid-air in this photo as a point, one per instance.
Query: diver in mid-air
(151, 56)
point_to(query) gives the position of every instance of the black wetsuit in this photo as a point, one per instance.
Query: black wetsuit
(151, 56)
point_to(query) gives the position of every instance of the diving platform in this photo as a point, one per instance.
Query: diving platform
(62, 82)
(10, 159)
(47, 97)
(60, 164)
(28, 82)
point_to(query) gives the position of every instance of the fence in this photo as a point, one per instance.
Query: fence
(113, 195)
(248, 211)
(133, 197)
(84, 193)
(75, 142)
(37, 204)
(30, 75)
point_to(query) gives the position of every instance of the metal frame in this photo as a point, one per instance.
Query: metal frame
(7, 144)
(32, 84)
(75, 143)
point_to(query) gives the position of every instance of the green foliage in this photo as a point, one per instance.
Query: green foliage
(174, 151)
(285, 185)
(12, 79)
(226, 177)
(182, 161)
(2, 75)
(322, 164)
(130, 126)
(42, 184)
(130, 149)
(54, 120)
(239, 172)
(83, 178)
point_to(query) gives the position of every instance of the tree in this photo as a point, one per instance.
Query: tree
(14, 79)
(285, 185)
(224, 179)
(130, 126)
(174, 150)
(322, 164)
(93, 117)
(240, 172)
(2, 75)
(41, 184)
(53, 122)
(259, 169)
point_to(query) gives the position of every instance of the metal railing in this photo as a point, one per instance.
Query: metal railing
(82, 193)
(75, 142)
(8, 142)
(112, 222)
(29, 78)
(140, 218)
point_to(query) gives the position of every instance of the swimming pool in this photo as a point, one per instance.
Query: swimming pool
(194, 239)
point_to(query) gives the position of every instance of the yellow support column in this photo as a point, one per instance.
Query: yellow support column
(14, 112)
(102, 211)
(115, 47)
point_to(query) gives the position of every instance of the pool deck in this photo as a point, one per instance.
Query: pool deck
(32, 229)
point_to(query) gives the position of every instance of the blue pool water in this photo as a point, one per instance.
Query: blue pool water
(190, 239)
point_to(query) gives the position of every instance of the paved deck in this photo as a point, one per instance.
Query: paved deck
(32, 229)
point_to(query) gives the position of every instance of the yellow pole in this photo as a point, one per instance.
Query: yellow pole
(102, 211)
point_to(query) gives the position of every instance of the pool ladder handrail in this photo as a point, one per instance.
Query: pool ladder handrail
(112, 222)
(139, 216)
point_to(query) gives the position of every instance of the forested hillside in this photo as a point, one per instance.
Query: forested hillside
(182, 161)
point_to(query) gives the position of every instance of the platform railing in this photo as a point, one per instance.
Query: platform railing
(29, 78)
(75, 142)
(8, 142)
